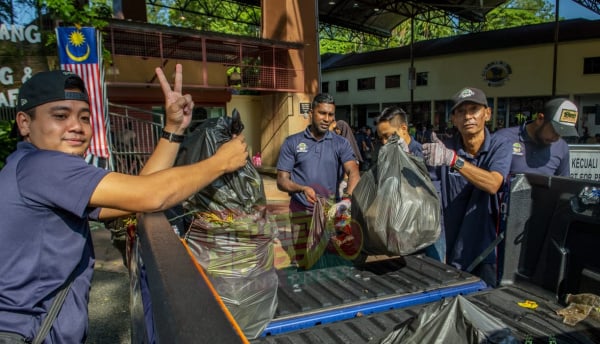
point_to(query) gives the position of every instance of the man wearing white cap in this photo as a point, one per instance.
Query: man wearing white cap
(537, 146)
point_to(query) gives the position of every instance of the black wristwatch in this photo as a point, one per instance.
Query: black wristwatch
(458, 164)
(172, 137)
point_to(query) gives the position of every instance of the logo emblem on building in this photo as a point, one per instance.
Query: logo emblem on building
(496, 73)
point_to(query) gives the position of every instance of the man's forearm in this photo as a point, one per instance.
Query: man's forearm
(487, 181)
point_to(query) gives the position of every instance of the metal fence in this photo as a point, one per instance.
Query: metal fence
(132, 133)
(7, 113)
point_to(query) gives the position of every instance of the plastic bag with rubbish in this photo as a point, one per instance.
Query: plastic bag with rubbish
(579, 307)
(395, 204)
(454, 320)
(229, 232)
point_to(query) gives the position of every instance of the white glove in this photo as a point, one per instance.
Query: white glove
(436, 154)
(403, 144)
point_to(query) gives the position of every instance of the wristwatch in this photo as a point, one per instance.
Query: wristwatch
(458, 164)
(172, 137)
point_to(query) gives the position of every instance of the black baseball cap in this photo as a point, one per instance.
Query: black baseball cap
(45, 87)
(469, 94)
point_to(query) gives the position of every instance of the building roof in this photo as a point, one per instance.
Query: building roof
(380, 17)
(569, 30)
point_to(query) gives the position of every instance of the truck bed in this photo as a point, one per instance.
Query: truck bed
(548, 252)
(541, 325)
(310, 298)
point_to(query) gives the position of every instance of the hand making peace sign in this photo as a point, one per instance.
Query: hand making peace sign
(177, 106)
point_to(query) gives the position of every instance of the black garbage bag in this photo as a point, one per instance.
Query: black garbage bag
(395, 204)
(242, 189)
(229, 233)
(454, 320)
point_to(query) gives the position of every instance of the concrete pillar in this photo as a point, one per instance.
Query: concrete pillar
(290, 21)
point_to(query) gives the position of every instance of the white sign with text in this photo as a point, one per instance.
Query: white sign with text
(585, 161)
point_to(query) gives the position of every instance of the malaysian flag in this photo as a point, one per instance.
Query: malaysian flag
(79, 51)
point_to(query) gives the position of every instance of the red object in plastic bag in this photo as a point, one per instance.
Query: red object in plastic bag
(347, 241)
(257, 160)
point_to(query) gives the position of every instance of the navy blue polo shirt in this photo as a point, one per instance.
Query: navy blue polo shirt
(316, 163)
(530, 157)
(415, 148)
(44, 236)
(470, 214)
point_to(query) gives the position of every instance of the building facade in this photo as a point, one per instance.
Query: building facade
(516, 68)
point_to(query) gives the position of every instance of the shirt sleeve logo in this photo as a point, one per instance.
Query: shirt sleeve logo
(301, 148)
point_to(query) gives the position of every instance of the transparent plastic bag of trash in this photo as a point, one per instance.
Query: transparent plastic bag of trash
(395, 204)
(228, 230)
(453, 320)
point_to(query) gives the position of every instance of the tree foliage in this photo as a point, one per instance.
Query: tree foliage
(206, 15)
(93, 13)
(7, 143)
(519, 13)
(77, 12)
(438, 25)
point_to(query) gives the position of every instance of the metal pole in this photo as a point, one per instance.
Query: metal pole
(555, 62)
(412, 74)
(318, 40)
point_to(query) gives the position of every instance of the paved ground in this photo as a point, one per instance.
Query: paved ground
(109, 299)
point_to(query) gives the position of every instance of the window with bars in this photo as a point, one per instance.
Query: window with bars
(325, 87)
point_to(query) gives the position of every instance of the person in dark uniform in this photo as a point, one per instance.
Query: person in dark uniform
(537, 145)
(49, 193)
(312, 163)
(393, 120)
(469, 169)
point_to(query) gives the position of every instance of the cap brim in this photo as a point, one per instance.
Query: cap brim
(466, 101)
(564, 130)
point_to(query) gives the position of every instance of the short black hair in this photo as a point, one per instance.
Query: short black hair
(390, 112)
(322, 98)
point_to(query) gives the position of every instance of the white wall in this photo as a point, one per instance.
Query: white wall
(531, 75)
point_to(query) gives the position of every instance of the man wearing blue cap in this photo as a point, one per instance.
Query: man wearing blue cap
(469, 169)
(49, 193)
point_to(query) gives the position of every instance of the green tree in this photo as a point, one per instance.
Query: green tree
(207, 15)
(519, 13)
(437, 24)
(92, 13)
(7, 143)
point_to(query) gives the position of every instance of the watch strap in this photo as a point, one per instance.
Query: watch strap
(172, 137)
(458, 163)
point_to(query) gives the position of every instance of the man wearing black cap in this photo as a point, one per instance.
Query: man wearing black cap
(537, 146)
(49, 193)
(469, 169)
